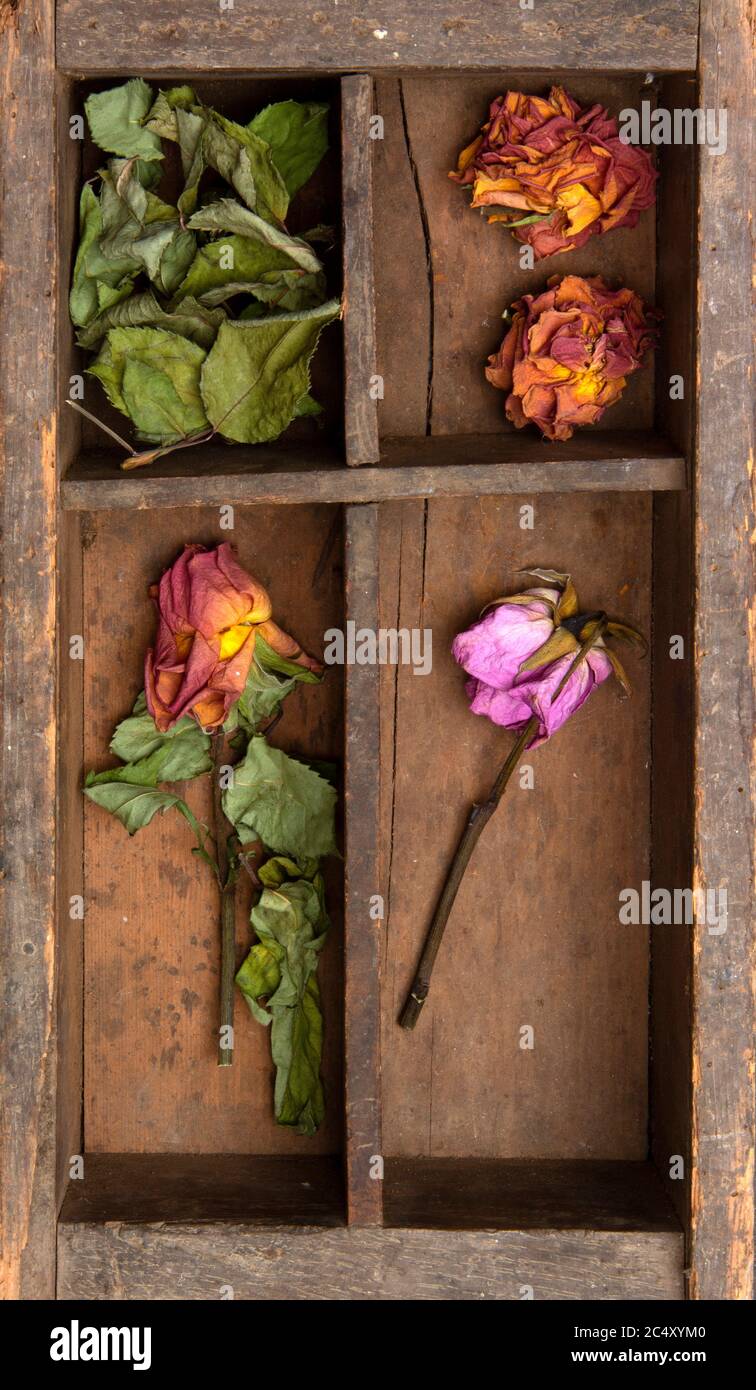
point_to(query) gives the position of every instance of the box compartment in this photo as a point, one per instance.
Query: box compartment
(318, 202)
(446, 276)
(480, 1129)
(149, 953)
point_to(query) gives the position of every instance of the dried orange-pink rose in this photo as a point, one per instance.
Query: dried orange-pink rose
(568, 353)
(553, 173)
(209, 610)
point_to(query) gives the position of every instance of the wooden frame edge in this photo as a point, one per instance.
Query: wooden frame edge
(722, 1191)
(95, 37)
(28, 438)
(119, 1260)
(360, 407)
(362, 1019)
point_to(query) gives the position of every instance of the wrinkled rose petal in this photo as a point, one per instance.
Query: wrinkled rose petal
(492, 652)
(547, 157)
(209, 610)
(568, 353)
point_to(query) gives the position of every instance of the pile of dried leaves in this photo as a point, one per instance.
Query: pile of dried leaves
(204, 313)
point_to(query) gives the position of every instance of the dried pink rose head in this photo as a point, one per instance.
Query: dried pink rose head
(536, 654)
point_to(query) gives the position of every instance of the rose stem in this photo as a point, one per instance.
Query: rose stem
(477, 820)
(223, 828)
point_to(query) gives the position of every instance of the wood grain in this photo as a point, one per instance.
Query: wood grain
(72, 529)
(29, 594)
(183, 1262)
(534, 938)
(360, 413)
(672, 681)
(93, 37)
(151, 1083)
(362, 1020)
(722, 1197)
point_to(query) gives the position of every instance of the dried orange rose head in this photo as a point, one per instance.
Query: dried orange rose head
(553, 173)
(568, 353)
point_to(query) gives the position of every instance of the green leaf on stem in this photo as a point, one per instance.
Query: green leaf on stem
(282, 802)
(263, 695)
(273, 661)
(134, 805)
(291, 925)
(175, 760)
(137, 736)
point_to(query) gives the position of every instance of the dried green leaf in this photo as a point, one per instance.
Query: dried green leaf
(262, 696)
(135, 805)
(157, 411)
(161, 117)
(258, 370)
(167, 355)
(189, 319)
(226, 215)
(107, 298)
(273, 661)
(231, 265)
(82, 300)
(244, 161)
(297, 133)
(137, 736)
(291, 926)
(116, 118)
(282, 802)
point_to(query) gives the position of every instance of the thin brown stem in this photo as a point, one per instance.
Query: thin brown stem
(477, 820)
(227, 880)
(101, 425)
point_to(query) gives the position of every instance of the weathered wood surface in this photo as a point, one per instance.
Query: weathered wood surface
(672, 680)
(507, 1194)
(181, 35)
(360, 410)
(722, 1200)
(29, 735)
(442, 466)
(151, 928)
(362, 1019)
(70, 807)
(127, 1261)
(445, 276)
(534, 938)
(299, 1190)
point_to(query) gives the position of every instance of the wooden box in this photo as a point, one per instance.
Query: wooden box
(610, 1160)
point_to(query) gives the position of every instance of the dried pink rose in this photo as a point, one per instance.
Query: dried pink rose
(521, 657)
